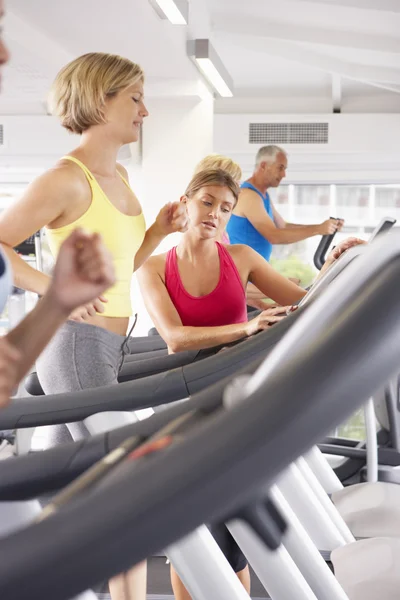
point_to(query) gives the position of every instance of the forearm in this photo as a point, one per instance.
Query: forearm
(34, 332)
(254, 293)
(283, 292)
(151, 240)
(290, 234)
(196, 338)
(258, 304)
(25, 276)
(255, 298)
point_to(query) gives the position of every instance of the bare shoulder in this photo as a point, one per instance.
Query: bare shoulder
(240, 251)
(67, 177)
(248, 199)
(45, 201)
(247, 195)
(55, 190)
(154, 265)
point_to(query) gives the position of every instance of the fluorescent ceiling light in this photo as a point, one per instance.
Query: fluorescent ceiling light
(176, 11)
(210, 65)
(213, 75)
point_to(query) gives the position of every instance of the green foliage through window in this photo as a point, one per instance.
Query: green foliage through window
(293, 266)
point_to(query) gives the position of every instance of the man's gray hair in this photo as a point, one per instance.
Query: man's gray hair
(268, 154)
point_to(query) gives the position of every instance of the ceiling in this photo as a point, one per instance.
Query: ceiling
(288, 56)
(43, 35)
(333, 52)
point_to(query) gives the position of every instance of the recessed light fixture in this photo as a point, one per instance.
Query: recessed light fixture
(210, 65)
(176, 11)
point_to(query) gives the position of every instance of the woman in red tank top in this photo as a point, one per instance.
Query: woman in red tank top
(195, 295)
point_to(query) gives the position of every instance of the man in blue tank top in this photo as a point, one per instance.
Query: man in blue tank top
(256, 222)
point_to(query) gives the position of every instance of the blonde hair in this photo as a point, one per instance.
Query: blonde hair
(212, 177)
(217, 161)
(80, 90)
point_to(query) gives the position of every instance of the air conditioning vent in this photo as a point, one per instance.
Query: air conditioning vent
(288, 133)
(1, 135)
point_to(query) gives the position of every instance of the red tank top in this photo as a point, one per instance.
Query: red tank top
(225, 305)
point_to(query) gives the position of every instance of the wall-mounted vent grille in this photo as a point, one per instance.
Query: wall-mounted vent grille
(288, 133)
(1, 135)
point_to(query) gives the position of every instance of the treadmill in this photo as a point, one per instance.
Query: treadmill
(221, 468)
(103, 422)
(170, 386)
(149, 354)
(182, 383)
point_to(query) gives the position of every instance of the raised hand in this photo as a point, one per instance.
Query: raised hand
(172, 218)
(330, 226)
(340, 223)
(84, 270)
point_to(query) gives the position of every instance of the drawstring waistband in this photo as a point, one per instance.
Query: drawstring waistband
(125, 345)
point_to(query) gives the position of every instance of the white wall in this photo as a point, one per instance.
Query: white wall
(176, 136)
(305, 103)
(31, 144)
(362, 148)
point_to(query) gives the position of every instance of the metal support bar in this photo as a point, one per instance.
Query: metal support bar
(309, 510)
(323, 472)
(310, 562)
(204, 569)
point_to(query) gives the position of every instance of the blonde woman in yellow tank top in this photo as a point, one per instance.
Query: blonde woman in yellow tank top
(100, 97)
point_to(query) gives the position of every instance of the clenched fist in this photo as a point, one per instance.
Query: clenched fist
(331, 226)
(172, 218)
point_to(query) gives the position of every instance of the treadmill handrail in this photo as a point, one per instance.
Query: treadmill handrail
(338, 266)
(385, 225)
(381, 252)
(34, 474)
(220, 466)
(322, 249)
(155, 390)
(319, 257)
(160, 388)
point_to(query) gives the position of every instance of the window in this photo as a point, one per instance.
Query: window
(387, 202)
(318, 195)
(354, 428)
(280, 198)
(311, 203)
(387, 197)
(353, 202)
(282, 195)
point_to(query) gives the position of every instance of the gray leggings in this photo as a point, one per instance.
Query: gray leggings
(80, 356)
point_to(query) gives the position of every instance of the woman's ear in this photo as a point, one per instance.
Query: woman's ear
(183, 199)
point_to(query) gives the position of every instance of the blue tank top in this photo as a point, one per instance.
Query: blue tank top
(241, 231)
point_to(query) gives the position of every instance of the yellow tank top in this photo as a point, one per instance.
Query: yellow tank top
(122, 234)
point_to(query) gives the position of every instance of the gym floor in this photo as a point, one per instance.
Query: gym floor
(159, 587)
